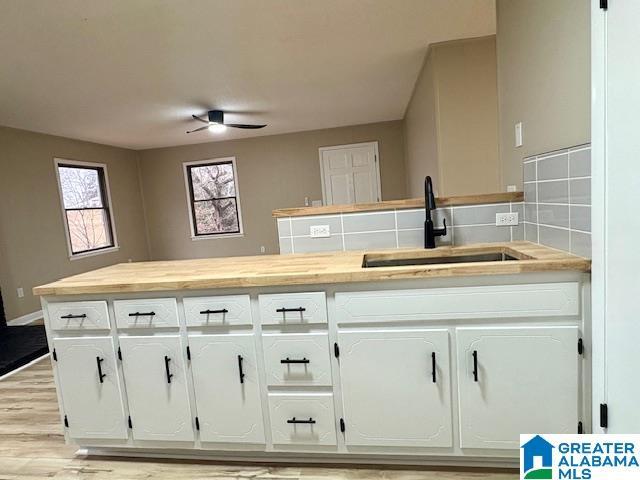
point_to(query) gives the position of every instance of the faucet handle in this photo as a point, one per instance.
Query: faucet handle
(441, 232)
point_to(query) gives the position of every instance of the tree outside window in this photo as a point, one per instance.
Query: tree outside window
(213, 198)
(86, 207)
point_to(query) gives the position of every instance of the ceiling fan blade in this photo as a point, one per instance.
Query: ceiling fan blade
(242, 125)
(195, 117)
(198, 129)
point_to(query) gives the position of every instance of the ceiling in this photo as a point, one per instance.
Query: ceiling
(131, 72)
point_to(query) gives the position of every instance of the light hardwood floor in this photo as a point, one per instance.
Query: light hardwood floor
(32, 447)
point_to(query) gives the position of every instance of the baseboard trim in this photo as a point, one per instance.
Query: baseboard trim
(25, 366)
(25, 319)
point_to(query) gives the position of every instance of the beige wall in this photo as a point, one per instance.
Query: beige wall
(451, 121)
(421, 132)
(543, 78)
(273, 172)
(33, 248)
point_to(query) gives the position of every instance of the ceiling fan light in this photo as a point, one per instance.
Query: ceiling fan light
(217, 127)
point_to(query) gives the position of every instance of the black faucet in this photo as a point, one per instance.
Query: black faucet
(431, 233)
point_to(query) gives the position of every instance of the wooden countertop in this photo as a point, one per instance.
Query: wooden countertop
(304, 269)
(504, 197)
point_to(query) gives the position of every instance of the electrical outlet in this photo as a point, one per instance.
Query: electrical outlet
(319, 231)
(262, 249)
(512, 188)
(506, 219)
(20, 292)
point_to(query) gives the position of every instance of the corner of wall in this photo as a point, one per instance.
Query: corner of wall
(144, 205)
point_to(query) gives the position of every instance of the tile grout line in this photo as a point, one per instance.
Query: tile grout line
(395, 216)
(344, 245)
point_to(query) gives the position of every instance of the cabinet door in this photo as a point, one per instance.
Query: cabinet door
(91, 395)
(391, 394)
(156, 382)
(227, 389)
(522, 380)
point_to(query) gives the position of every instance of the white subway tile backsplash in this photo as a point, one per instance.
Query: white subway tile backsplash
(517, 233)
(369, 222)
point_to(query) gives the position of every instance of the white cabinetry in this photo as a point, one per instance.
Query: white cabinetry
(228, 399)
(396, 387)
(302, 419)
(516, 380)
(297, 359)
(156, 382)
(90, 385)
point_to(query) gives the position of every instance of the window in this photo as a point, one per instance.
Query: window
(214, 202)
(86, 206)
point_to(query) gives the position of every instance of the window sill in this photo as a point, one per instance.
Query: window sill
(94, 253)
(216, 236)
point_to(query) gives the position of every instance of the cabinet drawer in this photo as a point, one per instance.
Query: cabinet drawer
(293, 308)
(302, 419)
(297, 359)
(145, 313)
(223, 310)
(79, 315)
(492, 301)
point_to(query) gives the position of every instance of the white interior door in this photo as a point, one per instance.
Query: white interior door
(156, 381)
(90, 386)
(516, 380)
(350, 174)
(616, 228)
(227, 389)
(392, 395)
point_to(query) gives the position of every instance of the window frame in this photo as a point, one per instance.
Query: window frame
(187, 166)
(103, 178)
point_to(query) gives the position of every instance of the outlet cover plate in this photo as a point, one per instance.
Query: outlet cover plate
(506, 219)
(319, 231)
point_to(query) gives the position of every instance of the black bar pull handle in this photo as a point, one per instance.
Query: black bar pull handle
(83, 315)
(289, 360)
(240, 370)
(211, 312)
(285, 310)
(433, 367)
(142, 314)
(293, 420)
(166, 368)
(475, 365)
(100, 374)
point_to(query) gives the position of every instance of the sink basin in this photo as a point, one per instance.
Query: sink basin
(374, 261)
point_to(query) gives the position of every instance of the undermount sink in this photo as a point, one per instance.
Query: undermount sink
(374, 261)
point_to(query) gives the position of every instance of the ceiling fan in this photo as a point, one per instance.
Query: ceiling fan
(215, 123)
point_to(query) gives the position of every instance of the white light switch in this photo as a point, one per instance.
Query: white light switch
(20, 292)
(319, 231)
(519, 134)
(506, 219)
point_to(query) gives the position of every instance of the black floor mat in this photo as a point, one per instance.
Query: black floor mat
(20, 345)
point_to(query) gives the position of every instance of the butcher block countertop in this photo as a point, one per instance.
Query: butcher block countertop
(305, 269)
(503, 197)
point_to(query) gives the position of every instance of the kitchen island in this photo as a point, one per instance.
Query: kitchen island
(400, 356)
